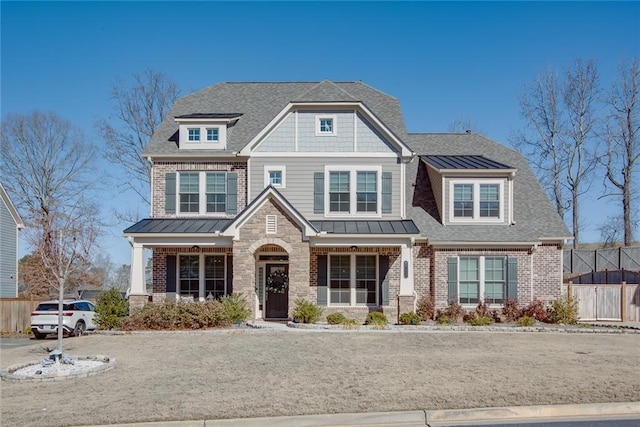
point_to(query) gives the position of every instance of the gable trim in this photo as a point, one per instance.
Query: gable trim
(11, 208)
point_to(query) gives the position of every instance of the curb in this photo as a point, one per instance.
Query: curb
(433, 418)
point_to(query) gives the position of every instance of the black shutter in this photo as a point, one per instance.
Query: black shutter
(383, 270)
(170, 193)
(171, 273)
(322, 280)
(318, 192)
(229, 274)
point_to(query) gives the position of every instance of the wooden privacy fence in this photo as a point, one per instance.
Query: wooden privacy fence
(15, 313)
(617, 302)
(578, 261)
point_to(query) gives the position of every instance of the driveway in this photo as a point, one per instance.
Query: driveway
(209, 375)
(7, 343)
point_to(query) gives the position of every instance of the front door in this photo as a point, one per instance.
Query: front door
(277, 306)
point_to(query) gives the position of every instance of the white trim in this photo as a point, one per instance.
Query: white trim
(353, 187)
(11, 208)
(295, 131)
(353, 279)
(476, 201)
(267, 178)
(303, 154)
(202, 195)
(202, 293)
(371, 241)
(480, 244)
(403, 191)
(334, 124)
(482, 278)
(355, 131)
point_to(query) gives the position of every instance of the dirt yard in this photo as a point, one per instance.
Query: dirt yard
(180, 376)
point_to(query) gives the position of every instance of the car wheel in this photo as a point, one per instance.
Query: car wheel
(38, 335)
(79, 329)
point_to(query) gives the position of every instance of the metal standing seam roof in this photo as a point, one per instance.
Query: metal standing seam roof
(463, 162)
(178, 225)
(367, 227)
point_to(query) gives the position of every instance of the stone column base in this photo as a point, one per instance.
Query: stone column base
(406, 304)
(137, 301)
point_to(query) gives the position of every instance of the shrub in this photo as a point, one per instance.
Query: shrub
(444, 320)
(307, 311)
(510, 310)
(455, 312)
(564, 310)
(335, 318)
(377, 319)
(111, 309)
(483, 310)
(236, 307)
(467, 317)
(426, 308)
(480, 321)
(526, 321)
(172, 315)
(409, 318)
(351, 323)
(536, 309)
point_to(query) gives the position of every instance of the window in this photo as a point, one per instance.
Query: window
(475, 201)
(353, 280)
(194, 134)
(214, 277)
(367, 192)
(189, 275)
(481, 277)
(213, 135)
(326, 125)
(216, 192)
(339, 192)
(275, 176)
(189, 192)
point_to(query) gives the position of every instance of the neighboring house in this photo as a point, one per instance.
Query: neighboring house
(10, 225)
(322, 183)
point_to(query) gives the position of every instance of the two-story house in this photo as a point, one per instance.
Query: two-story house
(316, 190)
(10, 225)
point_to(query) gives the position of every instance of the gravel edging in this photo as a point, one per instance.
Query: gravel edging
(108, 363)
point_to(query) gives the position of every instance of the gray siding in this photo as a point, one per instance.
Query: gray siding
(299, 179)
(309, 142)
(369, 139)
(282, 138)
(436, 185)
(503, 197)
(8, 254)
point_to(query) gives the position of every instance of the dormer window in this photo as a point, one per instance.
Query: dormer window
(476, 200)
(213, 135)
(326, 125)
(206, 131)
(194, 134)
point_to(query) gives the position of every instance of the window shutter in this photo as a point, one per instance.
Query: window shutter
(386, 192)
(171, 273)
(229, 274)
(452, 280)
(512, 278)
(170, 193)
(318, 192)
(232, 193)
(383, 270)
(322, 280)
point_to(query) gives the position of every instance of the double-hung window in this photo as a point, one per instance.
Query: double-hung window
(476, 201)
(189, 279)
(339, 192)
(214, 276)
(367, 192)
(190, 192)
(201, 276)
(353, 280)
(481, 278)
(353, 190)
(216, 192)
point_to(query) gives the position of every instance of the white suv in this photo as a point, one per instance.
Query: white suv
(77, 317)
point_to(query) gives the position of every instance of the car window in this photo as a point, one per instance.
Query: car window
(52, 307)
(84, 306)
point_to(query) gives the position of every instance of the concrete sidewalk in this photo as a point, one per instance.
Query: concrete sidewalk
(454, 417)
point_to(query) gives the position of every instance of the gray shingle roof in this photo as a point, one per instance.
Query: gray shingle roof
(463, 162)
(259, 103)
(178, 225)
(367, 227)
(534, 215)
(209, 116)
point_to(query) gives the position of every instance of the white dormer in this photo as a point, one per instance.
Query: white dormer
(205, 131)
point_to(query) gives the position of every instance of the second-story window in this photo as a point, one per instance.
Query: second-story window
(367, 192)
(213, 134)
(216, 192)
(189, 192)
(476, 201)
(339, 192)
(194, 134)
(489, 200)
(326, 125)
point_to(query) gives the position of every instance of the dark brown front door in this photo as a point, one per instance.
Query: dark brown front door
(277, 303)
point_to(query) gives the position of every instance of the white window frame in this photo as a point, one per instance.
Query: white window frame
(353, 191)
(476, 200)
(482, 279)
(208, 128)
(267, 177)
(202, 194)
(191, 128)
(334, 122)
(352, 279)
(201, 274)
(203, 142)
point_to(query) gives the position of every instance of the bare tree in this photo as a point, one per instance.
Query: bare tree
(623, 147)
(540, 106)
(464, 125)
(580, 96)
(138, 111)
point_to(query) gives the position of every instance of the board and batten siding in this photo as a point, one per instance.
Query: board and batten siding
(299, 173)
(353, 133)
(8, 253)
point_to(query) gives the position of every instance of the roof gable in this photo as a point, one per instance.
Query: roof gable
(325, 91)
(11, 208)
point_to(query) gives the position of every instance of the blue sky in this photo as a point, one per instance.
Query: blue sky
(441, 60)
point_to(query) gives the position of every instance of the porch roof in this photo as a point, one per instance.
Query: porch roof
(367, 227)
(178, 225)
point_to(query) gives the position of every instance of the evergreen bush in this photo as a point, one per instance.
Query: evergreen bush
(110, 309)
